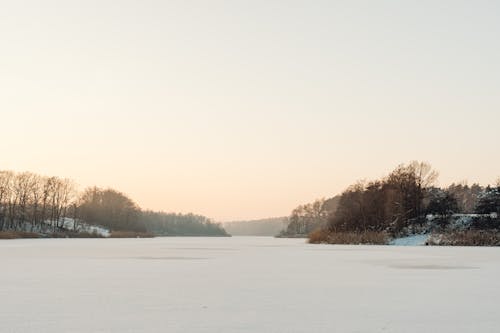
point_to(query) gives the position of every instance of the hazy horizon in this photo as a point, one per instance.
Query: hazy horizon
(242, 111)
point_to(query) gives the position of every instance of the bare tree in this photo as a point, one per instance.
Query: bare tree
(36, 188)
(67, 193)
(5, 193)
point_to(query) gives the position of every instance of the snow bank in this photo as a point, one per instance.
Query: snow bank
(414, 240)
(69, 224)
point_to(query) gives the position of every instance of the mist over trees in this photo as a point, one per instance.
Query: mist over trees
(262, 227)
(167, 224)
(308, 217)
(30, 202)
(109, 208)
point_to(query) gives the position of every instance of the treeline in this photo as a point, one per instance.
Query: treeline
(387, 204)
(308, 217)
(30, 199)
(404, 198)
(109, 208)
(30, 202)
(393, 203)
(171, 224)
(262, 227)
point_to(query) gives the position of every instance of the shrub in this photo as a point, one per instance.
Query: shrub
(467, 238)
(72, 234)
(18, 234)
(319, 236)
(130, 234)
(366, 237)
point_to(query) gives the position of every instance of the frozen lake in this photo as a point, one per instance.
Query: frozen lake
(244, 284)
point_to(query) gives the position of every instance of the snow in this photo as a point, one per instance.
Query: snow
(413, 240)
(244, 284)
(69, 224)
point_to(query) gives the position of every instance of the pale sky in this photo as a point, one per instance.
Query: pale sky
(245, 109)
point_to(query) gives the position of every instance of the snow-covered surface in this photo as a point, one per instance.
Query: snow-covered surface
(244, 284)
(414, 240)
(69, 224)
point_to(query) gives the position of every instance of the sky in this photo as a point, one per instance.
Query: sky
(246, 109)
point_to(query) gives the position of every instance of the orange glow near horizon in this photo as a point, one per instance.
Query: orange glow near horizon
(246, 110)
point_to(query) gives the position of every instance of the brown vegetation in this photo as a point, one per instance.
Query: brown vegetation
(61, 234)
(384, 205)
(71, 234)
(366, 237)
(30, 198)
(18, 234)
(306, 218)
(130, 234)
(467, 238)
(111, 209)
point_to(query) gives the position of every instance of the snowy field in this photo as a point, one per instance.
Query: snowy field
(244, 284)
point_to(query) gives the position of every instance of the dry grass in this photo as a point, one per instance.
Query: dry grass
(65, 234)
(355, 238)
(72, 234)
(130, 234)
(467, 238)
(319, 236)
(18, 234)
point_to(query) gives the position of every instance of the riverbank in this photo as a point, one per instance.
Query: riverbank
(69, 234)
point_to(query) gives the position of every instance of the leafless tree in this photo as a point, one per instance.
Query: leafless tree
(5, 194)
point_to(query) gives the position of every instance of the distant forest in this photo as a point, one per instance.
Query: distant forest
(403, 200)
(262, 227)
(34, 203)
(172, 224)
